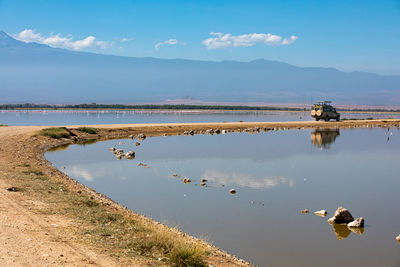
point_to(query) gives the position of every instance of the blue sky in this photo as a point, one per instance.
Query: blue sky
(348, 35)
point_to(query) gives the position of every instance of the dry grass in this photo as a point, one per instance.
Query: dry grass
(120, 235)
(3, 125)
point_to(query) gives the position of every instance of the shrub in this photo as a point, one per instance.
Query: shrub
(88, 130)
(55, 132)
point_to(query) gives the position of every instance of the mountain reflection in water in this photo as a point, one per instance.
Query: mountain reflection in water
(324, 138)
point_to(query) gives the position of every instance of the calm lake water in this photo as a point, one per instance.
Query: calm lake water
(276, 175)
(87, 117)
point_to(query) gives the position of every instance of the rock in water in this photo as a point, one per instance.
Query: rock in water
(232, 191)
(342, 215)
(130, 155)
(322, 213)
(359, 222)
(305, 211)
(141, 136)
(398, 238)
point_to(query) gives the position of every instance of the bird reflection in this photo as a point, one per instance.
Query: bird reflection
(324, 138)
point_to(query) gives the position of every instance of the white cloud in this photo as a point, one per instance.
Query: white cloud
(125, 39)
(59, 41)
(221, 40)
(169, 42)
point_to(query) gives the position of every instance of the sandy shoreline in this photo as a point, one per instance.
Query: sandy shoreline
(32, 235)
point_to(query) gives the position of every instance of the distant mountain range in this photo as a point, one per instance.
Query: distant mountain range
(37, 73)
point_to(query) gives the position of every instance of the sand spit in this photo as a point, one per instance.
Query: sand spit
(35, 232)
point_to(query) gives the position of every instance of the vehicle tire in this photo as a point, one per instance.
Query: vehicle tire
(327, 119)
(317, 119)
(338, 119)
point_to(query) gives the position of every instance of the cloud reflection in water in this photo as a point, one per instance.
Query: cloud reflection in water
(246, 180)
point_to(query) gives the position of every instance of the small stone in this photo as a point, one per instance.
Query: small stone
(322, 213)
(12, 189)
(359, 222)
(137, 144)
(175, 175)
(118, 152)
(204, 180)
(186, 180)
(305, 211)
(203, 184)
(141, 136)
(131, 136)
(232, 191)
(398, 238)
(129, 155)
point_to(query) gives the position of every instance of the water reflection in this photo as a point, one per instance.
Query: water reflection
(58, 148)
(342, 231)
(64, 147)
(324, 138)
(246, 180)
(261, 168)
(80, 172)
(358, 231)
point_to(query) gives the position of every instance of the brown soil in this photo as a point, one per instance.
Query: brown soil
(35, 231)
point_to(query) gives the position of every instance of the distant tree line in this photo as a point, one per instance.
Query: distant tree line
(168, 107)
(156, 107)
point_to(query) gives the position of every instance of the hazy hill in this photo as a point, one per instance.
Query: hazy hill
(31, 72)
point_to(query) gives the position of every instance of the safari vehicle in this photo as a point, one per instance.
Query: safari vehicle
(324, 111)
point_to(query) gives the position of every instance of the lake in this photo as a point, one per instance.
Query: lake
(88, 117)
(276, 175)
